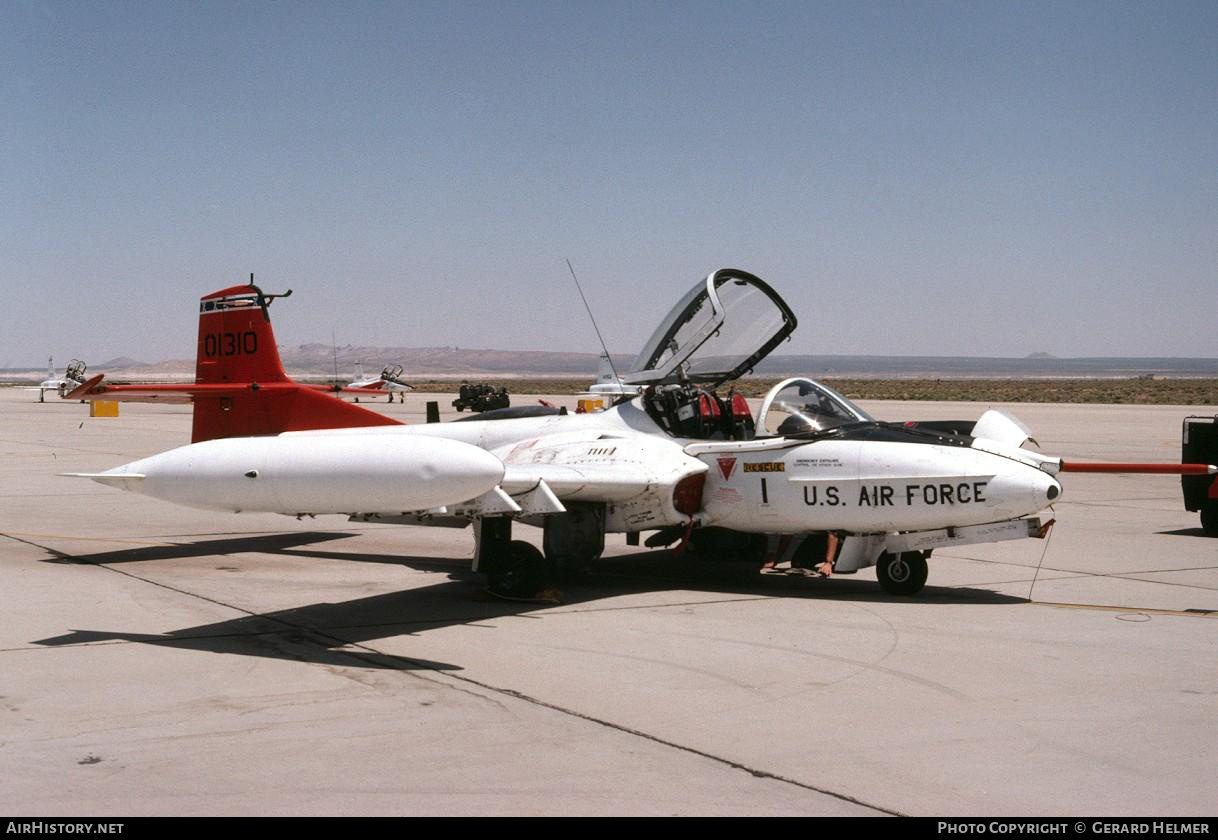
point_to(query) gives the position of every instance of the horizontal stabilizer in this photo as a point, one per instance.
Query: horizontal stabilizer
(93, 389)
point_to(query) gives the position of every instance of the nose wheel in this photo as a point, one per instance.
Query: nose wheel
(902, 574)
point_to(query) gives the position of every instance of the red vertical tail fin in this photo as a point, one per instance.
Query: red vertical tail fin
(237, 347)
(236, 342)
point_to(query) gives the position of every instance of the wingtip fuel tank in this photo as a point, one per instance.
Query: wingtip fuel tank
(313, 474)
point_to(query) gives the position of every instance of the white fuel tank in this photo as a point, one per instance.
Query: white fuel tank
(313, 474)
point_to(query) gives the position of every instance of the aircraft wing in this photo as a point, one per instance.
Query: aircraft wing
(649, 481)
(602, 483)
(601, 468)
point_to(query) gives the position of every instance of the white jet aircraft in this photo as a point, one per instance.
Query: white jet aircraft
(609, 382)
(390, 382)
(58, 383)
(678, 459)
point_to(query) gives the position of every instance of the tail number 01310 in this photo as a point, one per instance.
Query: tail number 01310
(230, 343)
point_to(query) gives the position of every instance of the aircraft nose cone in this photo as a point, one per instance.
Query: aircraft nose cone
(1026, 489)
(1054, 491)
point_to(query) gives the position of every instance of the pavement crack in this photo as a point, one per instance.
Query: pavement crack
(638, 733)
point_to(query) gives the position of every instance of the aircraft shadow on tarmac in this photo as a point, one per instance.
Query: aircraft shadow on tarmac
(339, 634)
(1186, 532)
(263, 543)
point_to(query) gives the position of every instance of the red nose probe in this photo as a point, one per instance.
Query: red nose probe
(1161, 469)
(1170, 469)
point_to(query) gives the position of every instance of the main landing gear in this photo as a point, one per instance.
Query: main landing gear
(514, 569)
(518, 570)
(522, 572)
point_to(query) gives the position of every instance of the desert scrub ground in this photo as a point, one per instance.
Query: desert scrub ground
(1136, 391)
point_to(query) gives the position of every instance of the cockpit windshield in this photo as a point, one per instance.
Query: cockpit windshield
(802, 405)
(719, 330)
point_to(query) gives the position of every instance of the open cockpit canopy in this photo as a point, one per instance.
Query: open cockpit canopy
(719, 330)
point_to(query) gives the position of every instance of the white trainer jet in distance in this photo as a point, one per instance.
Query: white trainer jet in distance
(609, 383)
(57, 383)
(390, 382)
(678, 459)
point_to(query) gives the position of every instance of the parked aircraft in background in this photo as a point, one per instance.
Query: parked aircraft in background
(681, 458)
(389, 382)
(53, 382)
(608, 383)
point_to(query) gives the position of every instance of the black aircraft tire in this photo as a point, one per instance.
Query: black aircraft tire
(1209, 518)
(573, 569)
(902, 574)
(524, 572)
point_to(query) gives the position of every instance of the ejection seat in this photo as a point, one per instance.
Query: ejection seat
(743, 427)
(720, 419)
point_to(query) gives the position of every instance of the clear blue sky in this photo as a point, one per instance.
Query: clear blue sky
(916, 178)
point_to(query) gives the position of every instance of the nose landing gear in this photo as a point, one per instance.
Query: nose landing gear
(902, 574)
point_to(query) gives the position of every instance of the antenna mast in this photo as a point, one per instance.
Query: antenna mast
(334, 347)
(592, 318)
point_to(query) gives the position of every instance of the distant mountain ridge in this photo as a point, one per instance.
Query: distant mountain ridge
(319, 360)
(1035, 366)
